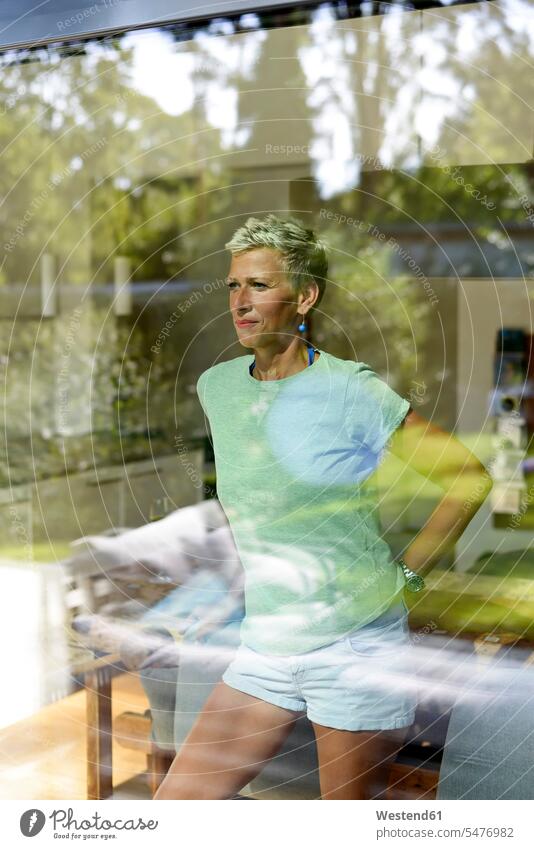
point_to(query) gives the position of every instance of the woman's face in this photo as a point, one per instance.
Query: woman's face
(263, 302)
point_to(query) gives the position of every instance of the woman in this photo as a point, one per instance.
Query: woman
(297, 435)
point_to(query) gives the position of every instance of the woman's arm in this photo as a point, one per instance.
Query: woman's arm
(441, 458)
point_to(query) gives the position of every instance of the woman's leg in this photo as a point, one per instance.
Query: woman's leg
(355, 764)
(233, 737)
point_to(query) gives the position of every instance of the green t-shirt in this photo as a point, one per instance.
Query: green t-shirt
(294, 460)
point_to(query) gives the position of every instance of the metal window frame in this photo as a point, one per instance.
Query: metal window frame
(34, 23)
(30, 23)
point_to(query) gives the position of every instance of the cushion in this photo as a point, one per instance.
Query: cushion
(489, 748)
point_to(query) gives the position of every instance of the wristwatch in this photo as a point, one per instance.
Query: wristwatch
(414, 582)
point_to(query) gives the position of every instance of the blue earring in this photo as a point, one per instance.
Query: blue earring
(302, 326)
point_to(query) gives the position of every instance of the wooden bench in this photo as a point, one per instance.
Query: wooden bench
(87, 591)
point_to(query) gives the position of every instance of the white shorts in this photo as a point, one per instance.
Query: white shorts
(357, 683)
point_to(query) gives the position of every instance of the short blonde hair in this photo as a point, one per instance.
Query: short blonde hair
(304, 256)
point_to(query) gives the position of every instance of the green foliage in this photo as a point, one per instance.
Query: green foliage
(94, 167)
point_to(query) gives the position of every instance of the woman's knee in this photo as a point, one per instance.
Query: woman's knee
(233, 737)
(190, 787)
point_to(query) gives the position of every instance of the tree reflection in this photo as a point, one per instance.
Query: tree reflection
(153, 146)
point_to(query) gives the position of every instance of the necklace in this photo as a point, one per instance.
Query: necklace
(311, 354)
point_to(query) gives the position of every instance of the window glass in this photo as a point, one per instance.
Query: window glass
(404, 137)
